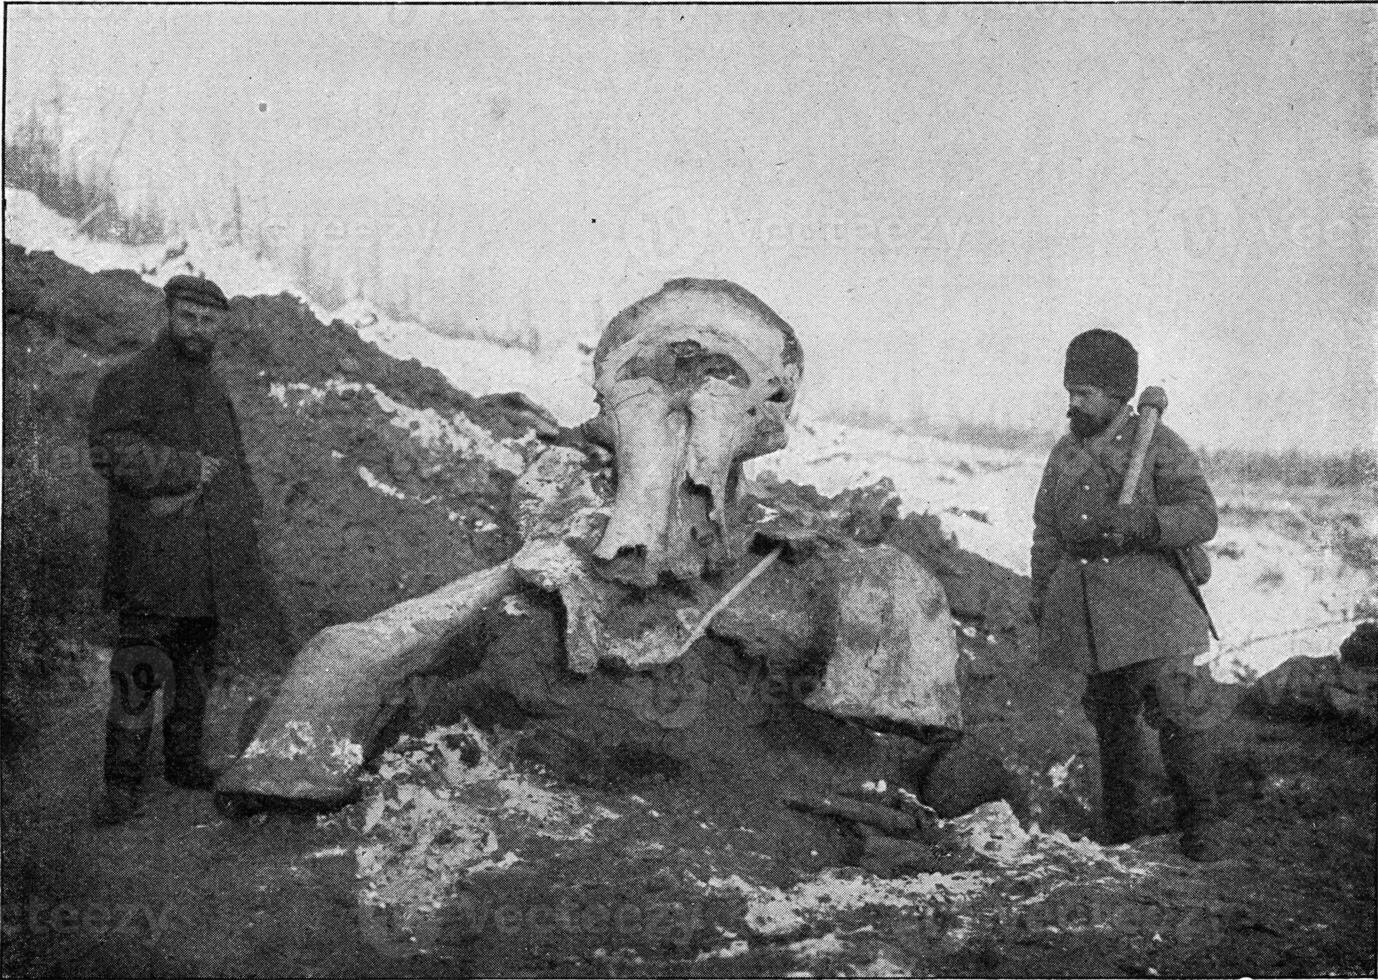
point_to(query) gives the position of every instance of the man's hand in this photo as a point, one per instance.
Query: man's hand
(210, 465)
(1130, 524)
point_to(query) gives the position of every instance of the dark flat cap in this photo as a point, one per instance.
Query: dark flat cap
(195, 289)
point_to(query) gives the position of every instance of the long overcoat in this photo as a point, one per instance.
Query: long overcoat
(1103, 611)
(176, 548)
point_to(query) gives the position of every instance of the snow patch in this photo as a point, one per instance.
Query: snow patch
(772, 911)
(300, 738)
(882, 966)
(457, 434)
(432, 814)
(828, 945)
(738, 947)
(993, 831)
(373, 483)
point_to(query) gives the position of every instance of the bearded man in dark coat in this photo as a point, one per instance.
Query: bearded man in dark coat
(182, 548)
(1112, 597)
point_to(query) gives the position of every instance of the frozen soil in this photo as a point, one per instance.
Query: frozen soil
(182, 891)
(382, 482)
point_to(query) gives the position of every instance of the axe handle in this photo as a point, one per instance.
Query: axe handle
(1143, 435)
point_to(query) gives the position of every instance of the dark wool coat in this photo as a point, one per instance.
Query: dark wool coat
(150, 419)
(1137, 606)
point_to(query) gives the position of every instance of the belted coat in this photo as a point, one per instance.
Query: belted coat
(1101, 612)
(175, 547)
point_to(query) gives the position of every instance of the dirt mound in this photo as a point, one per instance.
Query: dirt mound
(381, 482)
(1360, 648)
(319, 407)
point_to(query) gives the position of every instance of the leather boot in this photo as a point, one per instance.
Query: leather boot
(126, 748)
(1189, 759)
(183, 720)
(1120, 755)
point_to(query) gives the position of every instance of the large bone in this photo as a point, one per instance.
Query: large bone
(893, 822)
(718, 411)
(895, 658)
(652, 438)
(338, 695)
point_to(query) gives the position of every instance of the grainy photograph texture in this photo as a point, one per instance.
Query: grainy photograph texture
(883, 490)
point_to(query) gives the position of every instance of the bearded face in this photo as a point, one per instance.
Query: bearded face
(1090, 410)
(194, 328)
(691, 382)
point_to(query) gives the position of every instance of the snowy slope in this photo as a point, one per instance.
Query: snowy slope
(984, 496)
(1273, 595)
(32, 225)
(561, 375)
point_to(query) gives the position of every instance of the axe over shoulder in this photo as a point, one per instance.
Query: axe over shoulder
(1122, 501)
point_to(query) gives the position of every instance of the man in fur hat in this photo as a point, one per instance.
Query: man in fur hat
(1111, 597)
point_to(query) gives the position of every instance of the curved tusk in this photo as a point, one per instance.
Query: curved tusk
(726, 600)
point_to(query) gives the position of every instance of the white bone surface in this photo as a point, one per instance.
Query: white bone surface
(896, 653)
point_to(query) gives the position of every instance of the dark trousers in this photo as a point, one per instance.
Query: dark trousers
(1170, 693)
(157, 652)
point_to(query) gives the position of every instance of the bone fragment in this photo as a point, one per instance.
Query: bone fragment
(892, 822)
(896, 654)
(651, 445)
(922, 813)
(341, 691)
(726, 600)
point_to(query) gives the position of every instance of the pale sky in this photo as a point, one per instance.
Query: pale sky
(936, 198)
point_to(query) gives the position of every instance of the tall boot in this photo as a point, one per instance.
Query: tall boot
(1189, 760)
(185, 710)
(126, 748)
(1120, 773)
(182, 724)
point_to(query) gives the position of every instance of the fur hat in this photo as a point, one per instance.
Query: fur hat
(195, 289)
(1105, 359)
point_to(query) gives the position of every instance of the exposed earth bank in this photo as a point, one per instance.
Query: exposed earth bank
(377, 491)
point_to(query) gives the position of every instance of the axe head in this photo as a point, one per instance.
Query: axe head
(1153, 399)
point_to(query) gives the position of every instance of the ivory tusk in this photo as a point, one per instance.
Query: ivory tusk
(726, 600)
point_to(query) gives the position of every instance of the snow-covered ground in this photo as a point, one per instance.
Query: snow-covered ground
(1273, 594)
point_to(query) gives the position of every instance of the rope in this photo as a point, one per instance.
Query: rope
(1277, 636)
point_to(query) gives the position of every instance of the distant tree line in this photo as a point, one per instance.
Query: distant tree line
(1294, 468)
(83, 193)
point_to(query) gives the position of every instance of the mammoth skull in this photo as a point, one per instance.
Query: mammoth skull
(691, 382)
